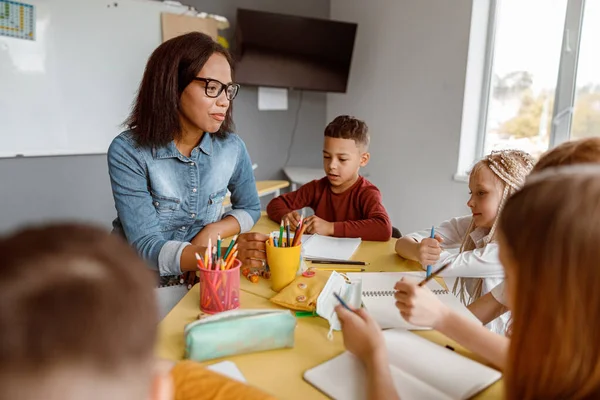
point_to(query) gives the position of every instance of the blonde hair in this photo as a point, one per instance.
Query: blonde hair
(554, 349)
(510, 167)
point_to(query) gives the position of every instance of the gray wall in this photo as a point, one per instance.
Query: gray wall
(34, 190)
(407, 81)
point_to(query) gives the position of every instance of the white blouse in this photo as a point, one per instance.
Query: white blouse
(499, 294)
(482, 262)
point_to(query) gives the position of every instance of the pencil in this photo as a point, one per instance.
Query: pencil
(287, 232)
(340, 269)
(281, 234)
(338, 262)
(342, 302)
(433, 275)
(229, 263)
(218, 246)
(208, 257)
(432, 237)
(231, 254)
(298, 236)
(271, 242)
(200, 263)
(230, 246)
(214, 258)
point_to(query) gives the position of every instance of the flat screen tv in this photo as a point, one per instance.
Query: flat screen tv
(288, 51)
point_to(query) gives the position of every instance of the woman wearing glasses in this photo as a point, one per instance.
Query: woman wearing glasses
(170, 171)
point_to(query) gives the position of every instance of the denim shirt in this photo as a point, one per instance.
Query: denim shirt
(163, 198)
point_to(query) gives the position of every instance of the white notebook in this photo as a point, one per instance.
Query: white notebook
(329, 248)
(317, 247)
(420, 370)
(378, 297)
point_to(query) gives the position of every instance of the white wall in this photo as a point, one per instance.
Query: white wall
(407, 82)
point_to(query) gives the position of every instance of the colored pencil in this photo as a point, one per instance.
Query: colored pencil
(340, 269)
(208, 257)
(200, 262)
(230, 246)
(230, 254)
(298, 236)
(281, 234)
(342, 302)
(432, 237)
(338, 262)
(218, 246)
(433, 275)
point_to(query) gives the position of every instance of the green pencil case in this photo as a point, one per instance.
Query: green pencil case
(239, 332)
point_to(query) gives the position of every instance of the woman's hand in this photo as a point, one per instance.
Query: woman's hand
(418, 305)
(252, 249)
(362, 335)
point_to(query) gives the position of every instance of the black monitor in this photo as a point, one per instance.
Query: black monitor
(288, 51)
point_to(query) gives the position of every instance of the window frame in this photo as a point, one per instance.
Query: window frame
(564, 99)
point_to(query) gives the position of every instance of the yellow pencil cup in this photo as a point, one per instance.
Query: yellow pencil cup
(283, 263)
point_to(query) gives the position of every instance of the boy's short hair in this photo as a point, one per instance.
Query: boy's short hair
(347, 127)
(72, 297)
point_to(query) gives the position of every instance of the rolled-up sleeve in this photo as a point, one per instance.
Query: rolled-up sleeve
(244, 197)
(169, 258)
(478, 263)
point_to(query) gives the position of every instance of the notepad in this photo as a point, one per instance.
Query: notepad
(318, 247)
(420, 370)
(378, 297)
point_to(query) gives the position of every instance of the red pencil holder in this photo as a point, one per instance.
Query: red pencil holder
(220, 290)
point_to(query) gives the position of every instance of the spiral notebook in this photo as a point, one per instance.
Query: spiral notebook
(420, 370)
(378, 297)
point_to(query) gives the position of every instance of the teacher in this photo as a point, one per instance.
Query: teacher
(171, 170)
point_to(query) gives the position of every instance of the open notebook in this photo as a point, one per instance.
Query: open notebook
(420, 370)
(317, 247)
(378, 297)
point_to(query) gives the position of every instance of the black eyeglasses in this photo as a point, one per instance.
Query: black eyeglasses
(214, 88)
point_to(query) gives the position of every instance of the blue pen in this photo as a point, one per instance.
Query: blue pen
(276, 242)
(433, 237)
(342, 302)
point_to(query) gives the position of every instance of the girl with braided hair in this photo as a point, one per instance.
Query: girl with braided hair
(468, 243)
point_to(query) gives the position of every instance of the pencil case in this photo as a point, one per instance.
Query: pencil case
(239, 332)
(302, 293)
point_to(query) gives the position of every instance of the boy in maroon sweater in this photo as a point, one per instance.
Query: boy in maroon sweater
(345, 204)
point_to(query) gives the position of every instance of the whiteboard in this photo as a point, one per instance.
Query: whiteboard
(69, 91)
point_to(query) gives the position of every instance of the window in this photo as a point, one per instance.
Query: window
(539, 82)
(586, 114)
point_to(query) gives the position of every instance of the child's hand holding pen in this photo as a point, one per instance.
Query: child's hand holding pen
(418, 305)
(429, 250)
(362, 335)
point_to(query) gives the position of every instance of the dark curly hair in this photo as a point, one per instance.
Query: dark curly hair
(347, 127)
